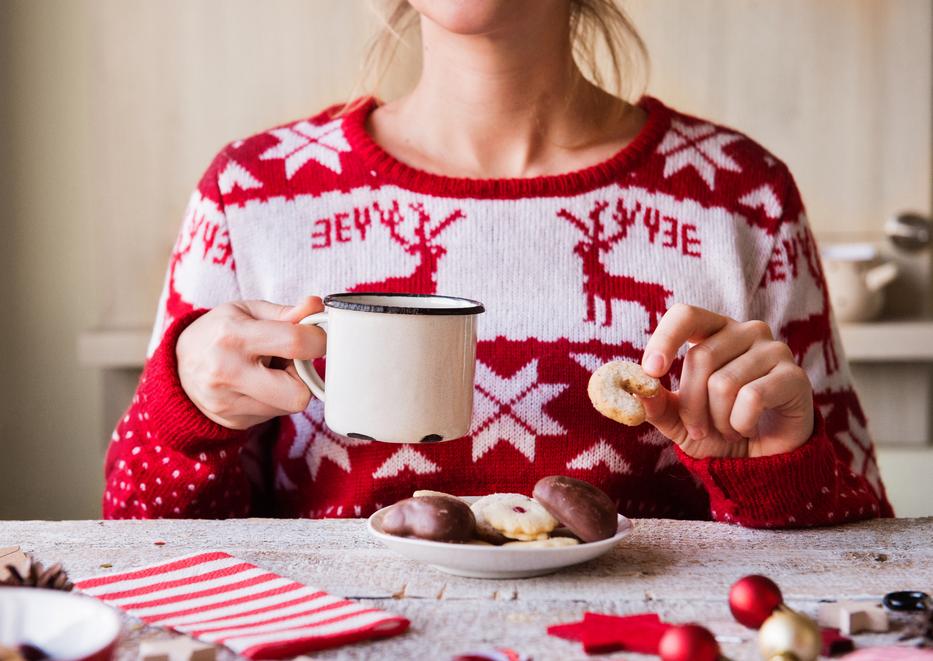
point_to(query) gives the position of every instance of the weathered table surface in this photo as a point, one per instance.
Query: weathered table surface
(678, 569)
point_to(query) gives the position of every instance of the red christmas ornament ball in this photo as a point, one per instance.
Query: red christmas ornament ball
(752, 600)
(688, 642)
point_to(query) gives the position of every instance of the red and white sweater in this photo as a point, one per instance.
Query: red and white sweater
(689, 212)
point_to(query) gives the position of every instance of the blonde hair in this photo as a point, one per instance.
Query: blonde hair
(597, 28)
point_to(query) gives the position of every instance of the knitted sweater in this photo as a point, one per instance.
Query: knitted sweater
(574, 270)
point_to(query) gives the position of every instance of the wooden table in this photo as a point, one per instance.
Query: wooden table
(678, 569)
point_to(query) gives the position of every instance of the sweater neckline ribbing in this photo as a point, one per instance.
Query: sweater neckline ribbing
(393, 171)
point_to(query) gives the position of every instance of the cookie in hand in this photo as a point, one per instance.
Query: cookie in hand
(612, 389)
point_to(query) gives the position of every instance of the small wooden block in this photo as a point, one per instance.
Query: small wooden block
(852, 617)
(12, 555)
(176, 649)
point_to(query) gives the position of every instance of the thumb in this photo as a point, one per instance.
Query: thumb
(663, 411)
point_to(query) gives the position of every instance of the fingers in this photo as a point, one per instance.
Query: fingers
(724, 385)
(265, 310)
(731, 376)
(259, 394)
(281, 339)
(304, 308)
(227, 406)
(261, 328)
(682, 323)
(700, 364)
(662, 412)
(228, 360)
(278, 389)
(784, 387)
(290, 369)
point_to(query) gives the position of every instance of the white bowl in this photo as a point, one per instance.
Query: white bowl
(64, 625)
(476, 561)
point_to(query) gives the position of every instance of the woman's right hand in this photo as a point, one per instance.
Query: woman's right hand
(235, 361)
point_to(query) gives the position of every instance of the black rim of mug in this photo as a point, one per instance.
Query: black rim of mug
(340, 302)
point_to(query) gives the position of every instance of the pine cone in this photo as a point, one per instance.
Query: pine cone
(37, 576)
(10, 654)
(22, 653)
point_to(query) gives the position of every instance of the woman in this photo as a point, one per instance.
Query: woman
(592, 229)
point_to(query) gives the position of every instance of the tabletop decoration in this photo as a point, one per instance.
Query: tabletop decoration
(752, 600)
(852, 617)
(12, 556)
(688, 642)
(222, 600)
(921, 629)
(834, 643)
(789, 636)
(18, 569)
(756, 601)
(907, 600)
(601, 633)
(21, 653)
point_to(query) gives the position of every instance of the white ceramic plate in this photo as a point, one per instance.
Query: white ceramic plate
(494, 561)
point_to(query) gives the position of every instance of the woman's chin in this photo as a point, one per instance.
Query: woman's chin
(478, 17)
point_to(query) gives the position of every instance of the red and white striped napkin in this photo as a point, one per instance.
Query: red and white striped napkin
(257, 613)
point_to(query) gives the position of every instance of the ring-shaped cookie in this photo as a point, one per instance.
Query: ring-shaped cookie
(612, 389)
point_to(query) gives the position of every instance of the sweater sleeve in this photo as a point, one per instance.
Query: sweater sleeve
(166, 459)
(834, 476)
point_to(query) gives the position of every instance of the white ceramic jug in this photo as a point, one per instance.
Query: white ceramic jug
(856, 278)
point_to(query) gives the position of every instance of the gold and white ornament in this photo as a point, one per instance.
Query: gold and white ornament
(789, 636)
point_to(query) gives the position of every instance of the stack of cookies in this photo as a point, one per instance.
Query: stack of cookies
(563, 511)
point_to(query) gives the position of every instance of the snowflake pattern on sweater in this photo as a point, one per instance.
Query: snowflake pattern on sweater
(574, 270)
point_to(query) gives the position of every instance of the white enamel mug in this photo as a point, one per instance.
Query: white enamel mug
(399, 366)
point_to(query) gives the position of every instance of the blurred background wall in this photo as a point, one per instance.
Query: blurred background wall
(111, 109)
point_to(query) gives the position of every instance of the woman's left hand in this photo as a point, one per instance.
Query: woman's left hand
(741, 393)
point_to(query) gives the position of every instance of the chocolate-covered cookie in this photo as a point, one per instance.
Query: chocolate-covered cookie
(437, 518)
(421, 493)
(587, 511)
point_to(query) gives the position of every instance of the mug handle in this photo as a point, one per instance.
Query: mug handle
(305, 368)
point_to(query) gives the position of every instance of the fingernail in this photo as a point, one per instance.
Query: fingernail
(654, 363)
(696, 433)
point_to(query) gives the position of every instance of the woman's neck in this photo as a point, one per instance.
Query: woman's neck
(506, 104)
